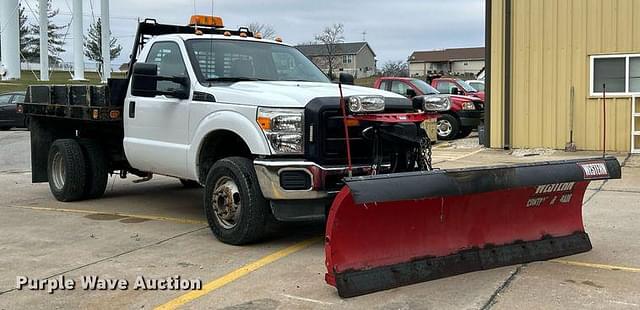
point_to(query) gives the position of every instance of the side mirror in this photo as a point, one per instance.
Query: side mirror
(145, 78)
(411, 93)
(455, 91)
(346, 78)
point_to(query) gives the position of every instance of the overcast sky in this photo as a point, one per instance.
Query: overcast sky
(394, 28)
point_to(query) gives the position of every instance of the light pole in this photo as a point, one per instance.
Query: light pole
(106, 38)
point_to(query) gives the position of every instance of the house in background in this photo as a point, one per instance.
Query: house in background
(454, 61)
(356, 58)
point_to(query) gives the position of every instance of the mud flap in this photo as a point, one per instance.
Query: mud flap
(387, 231)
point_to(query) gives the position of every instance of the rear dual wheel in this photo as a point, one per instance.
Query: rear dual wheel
(77, 170)
(66, 170)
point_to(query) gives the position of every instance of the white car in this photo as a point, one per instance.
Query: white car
(477, 84)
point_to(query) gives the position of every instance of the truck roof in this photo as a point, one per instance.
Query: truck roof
(396, 78)
(194, 36)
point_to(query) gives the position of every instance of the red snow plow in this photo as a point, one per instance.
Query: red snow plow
(416, 224)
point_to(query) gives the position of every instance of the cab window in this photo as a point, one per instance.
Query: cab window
(18, 99)
(169, 59)
(5, 99)
(444, 87)
(384, 85)
(399, 88)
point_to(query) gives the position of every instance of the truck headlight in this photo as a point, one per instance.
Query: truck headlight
(283, 129)
(468, 106)
(365, 104)
(437, 103)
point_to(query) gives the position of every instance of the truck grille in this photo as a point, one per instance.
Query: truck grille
(325, 141)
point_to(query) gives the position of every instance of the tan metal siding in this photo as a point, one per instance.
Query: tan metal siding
(551, 44)
(497, 73)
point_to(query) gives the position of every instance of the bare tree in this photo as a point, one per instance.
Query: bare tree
(395, 68)
(267, 31)
(331, 37)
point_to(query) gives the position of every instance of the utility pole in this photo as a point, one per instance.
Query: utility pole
(78, 40)
(364, 36)
(43, 18)
(10, 39)
(106, 39)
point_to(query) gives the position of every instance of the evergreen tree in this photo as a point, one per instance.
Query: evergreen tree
(27, 40)
(93, 44)
(56, 42)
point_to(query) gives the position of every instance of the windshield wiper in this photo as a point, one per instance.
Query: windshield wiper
(235, 79)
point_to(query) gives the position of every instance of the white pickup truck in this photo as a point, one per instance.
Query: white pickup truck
(252, 120)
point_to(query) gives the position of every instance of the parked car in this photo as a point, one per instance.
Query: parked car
(456, 87)
(464, 115)
(477, 84)
(9, 118)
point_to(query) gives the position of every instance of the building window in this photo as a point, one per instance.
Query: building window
(347, 59)
(619, 73)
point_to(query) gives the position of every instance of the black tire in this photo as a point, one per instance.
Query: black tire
(452, 124)
(465, 132)
(97, 168)
(190, 183)
(66, 170)
(254, 213)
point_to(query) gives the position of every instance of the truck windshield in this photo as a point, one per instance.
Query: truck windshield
(232, 61)
(468, 88)
(424, 87)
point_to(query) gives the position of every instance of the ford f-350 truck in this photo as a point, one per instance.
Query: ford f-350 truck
(252, 120)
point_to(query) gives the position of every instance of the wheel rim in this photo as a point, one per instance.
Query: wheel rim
(57, 171)
(226, 202)
(444, 128)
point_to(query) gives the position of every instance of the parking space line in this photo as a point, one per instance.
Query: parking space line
(596, 266)
(237, 274)
(138, 216)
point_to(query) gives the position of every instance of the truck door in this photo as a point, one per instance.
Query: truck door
(156, 129)
(400, 87)
(445, 87)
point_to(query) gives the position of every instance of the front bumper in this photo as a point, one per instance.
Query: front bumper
(325, 181)
(471, 118)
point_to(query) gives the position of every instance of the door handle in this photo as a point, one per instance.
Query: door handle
(132, 109)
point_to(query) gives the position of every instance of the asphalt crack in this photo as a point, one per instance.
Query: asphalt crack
(493, 299)
(115, 256)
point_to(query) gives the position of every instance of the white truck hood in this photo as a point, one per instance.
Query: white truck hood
(287, 94)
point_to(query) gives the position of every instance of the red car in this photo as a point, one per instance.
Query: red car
(464, 113)
(456, 87)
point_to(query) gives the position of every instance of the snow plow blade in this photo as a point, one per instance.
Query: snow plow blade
(392, 230)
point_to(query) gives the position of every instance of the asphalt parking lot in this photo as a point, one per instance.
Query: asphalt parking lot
(157, 229)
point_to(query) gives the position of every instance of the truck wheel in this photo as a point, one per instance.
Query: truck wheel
(448, 127)
(97, 169)
(465, 132)
(190, 184)
(66, 170)
(233, 203)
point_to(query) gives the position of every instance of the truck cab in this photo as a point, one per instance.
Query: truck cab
(456, 87)
(464, 113)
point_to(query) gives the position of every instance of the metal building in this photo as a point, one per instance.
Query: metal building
(547, 62)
